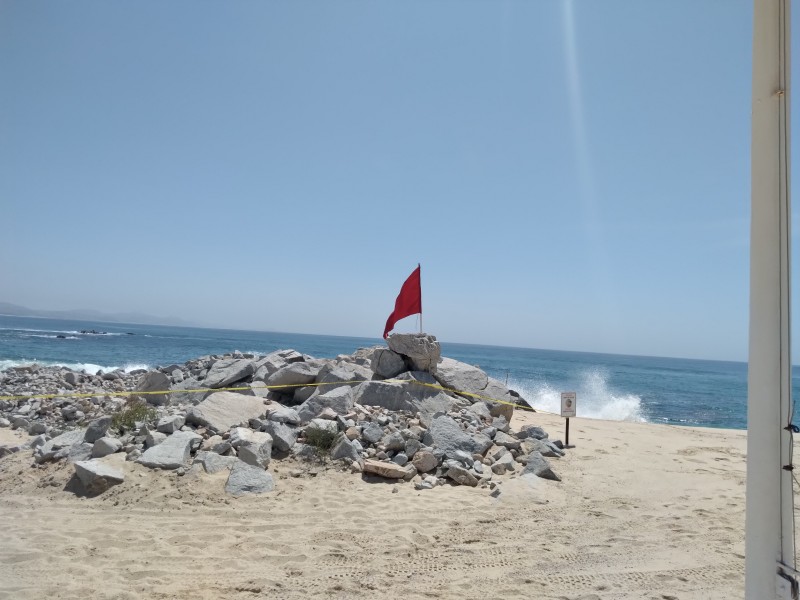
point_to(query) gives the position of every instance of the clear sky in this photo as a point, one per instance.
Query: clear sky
(571, 175)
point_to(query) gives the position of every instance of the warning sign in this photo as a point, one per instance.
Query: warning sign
(568, 402)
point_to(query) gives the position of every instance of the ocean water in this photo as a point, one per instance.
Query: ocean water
(630, 388)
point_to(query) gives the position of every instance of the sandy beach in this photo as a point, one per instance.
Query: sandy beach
(643, 512)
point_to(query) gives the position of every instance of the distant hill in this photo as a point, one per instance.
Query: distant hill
(6, 308)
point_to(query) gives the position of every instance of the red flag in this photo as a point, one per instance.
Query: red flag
(409, 301)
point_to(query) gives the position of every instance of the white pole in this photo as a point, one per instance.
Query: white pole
(769, 531)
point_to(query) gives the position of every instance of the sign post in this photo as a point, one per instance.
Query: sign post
(568, 409)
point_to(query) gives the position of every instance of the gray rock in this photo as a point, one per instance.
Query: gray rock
(223, 410)
(283, 436)
(480, 409)
(173, 452)
(505, 440)
(71, 378)
(334, 375)
(49, 449)
(400, 459)
(372, 433)
(37, 428)
(154, 438)
(79, 451)
(544, 447)
(244, 435)
(20, 423)
(460, 376)
(532, 431)
(227, 371)
(97, 429)
(387, 363)
(170, 424)
(461, 475)
(394, 441)
(105, 446)
(213, 462)
(422, 349)
(247, 479)
(503, 464)
(431, 407)
(425, 461)
(324, 425)
(412, 447)
(283, 414)
(153, 381)
(4, 422)
(294, 374)
(256, 453)
(393, 396)
(538, 465)
(181, 394)
(445, 433)
(96, 476)
(344, 448)
(339, 399)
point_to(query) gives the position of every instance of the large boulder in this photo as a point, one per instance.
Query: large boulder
(172, 453)
(213, 462)
(49, 449)
(339, 399)
(256, 453)
(96, 476)
(460, 376)
(475, 385)
(153, 381)
(227, 371)
(294, 374)
(283, 436)
(445, 434)
(421, 349)
(333, 375)
(223, 410)
(392, 396)
(182, 392)
(248, 479)
(387, 363)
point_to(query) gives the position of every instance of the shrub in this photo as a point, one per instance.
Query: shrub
(321, 439)
(133, 412)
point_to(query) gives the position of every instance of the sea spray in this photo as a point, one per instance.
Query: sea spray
(595, 399)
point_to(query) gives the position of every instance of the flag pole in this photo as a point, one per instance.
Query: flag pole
(419, 266)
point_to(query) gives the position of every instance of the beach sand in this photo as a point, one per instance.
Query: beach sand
(643, 512)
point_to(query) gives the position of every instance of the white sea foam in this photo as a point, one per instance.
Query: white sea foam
(53, 337)
(88, 367)
(594, 399)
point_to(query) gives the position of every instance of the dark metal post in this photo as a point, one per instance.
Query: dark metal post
(566, 442)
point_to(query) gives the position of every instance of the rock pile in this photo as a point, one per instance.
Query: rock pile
(399, 412)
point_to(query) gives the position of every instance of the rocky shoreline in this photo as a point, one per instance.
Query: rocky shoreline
(380, 412)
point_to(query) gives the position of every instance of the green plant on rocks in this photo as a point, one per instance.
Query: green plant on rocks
(133, 412)
(320, 439)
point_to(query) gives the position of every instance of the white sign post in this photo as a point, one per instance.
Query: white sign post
(568, 409)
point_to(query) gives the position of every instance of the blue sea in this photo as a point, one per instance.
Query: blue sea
(630, 388)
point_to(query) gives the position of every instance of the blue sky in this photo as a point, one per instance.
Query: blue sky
(571, 175)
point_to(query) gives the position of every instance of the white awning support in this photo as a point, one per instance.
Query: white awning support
(769, 540)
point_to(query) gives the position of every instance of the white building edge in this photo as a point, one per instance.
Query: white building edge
(770, 569)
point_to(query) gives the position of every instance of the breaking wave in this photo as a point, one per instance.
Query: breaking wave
(594, 398)
(90, 368)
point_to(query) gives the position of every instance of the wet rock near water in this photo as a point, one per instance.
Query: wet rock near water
(399, 413)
